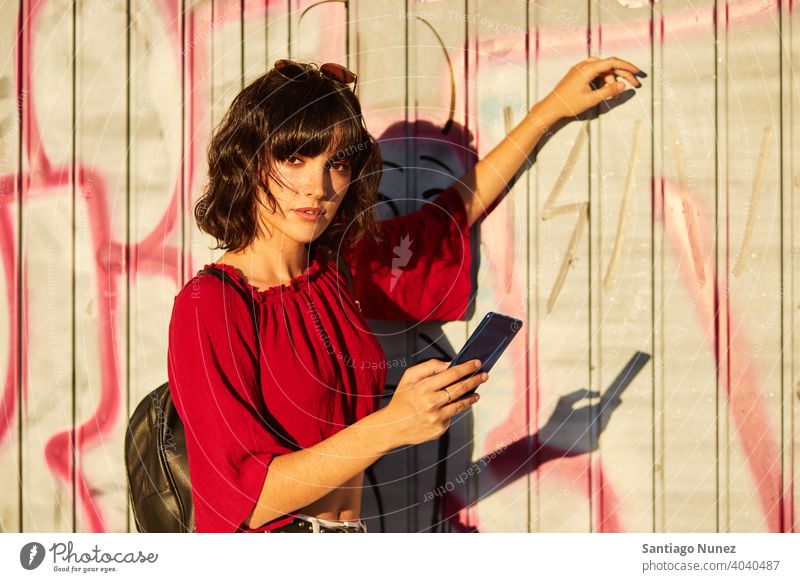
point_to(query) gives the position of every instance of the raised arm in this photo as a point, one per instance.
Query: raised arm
(486, 180)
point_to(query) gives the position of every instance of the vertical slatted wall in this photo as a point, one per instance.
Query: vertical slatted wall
(651, 248)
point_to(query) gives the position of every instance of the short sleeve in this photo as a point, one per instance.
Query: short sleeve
(214, 381)
(421, 270)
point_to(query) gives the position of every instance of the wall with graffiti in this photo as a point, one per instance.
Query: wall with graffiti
(650, 248)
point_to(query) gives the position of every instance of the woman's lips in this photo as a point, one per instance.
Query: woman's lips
(309, 216)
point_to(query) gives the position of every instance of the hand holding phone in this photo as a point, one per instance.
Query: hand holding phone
(488, 342)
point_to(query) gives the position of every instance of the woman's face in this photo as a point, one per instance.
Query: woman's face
(318, 183)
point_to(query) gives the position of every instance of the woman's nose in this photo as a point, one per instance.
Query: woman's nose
(317, 182)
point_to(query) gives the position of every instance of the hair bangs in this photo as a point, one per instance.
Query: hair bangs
(323, 123)
(271, 119)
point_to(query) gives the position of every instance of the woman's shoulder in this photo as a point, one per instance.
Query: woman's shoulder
(213, 288)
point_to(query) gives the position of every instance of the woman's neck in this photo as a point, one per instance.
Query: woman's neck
(269, 266)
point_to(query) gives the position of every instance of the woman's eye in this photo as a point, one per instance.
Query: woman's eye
(340, 166)
(291, 158)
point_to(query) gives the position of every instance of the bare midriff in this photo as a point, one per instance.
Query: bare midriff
(343, 503)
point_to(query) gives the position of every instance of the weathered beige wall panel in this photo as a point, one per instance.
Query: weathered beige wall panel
(651, 250)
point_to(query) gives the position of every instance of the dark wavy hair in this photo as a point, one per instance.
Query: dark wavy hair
(271, 119)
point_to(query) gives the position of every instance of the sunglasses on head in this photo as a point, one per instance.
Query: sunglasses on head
(299, 71)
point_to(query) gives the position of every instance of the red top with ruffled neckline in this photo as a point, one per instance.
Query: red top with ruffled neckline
(316, 367)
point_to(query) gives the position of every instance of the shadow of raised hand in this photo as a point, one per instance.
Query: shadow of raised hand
(574, 431)
(569, 432)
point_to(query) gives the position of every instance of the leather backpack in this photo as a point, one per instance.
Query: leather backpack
(155, 452)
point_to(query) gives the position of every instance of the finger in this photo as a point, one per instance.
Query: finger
(459, 405)
(598, 67)
(618, 63)
(609, 79)
(467, 385)
(425, 369)
(606, 92)
(449, 376)
(460, 389)
(628, 76)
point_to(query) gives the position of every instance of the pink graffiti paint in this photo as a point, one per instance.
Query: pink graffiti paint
(152, 255)
(737, 370)
(583, 472)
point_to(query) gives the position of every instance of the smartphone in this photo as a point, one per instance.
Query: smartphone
(488, 342)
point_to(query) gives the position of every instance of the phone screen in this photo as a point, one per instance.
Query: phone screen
(488, 342)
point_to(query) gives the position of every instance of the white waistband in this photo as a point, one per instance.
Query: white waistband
(332, 522)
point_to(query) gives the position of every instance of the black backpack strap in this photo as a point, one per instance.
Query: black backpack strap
(348, 276)
(246, 297)
(345, 270)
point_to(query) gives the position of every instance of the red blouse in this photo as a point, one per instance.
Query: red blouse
(318, 368)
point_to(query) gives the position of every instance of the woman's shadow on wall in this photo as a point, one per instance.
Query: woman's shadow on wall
(427, 487)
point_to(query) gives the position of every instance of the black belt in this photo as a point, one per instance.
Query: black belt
(300, 525)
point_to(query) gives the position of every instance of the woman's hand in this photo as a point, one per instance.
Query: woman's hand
(578, 90)
(419, 409)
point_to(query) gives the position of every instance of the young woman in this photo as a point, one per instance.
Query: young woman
(279, 393)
